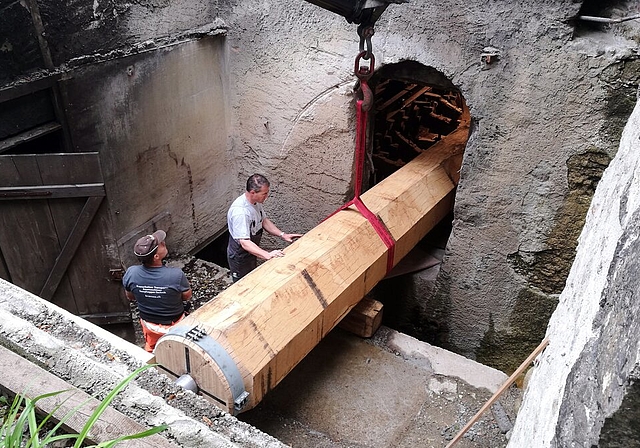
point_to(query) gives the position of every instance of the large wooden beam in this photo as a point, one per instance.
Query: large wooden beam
(241, 344)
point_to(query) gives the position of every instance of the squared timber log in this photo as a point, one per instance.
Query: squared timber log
(261, 327)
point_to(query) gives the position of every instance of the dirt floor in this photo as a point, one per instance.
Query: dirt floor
(351, 392)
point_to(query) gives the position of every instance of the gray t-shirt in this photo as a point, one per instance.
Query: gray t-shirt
(158, 292)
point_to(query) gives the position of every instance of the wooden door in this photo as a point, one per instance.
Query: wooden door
(55, 236)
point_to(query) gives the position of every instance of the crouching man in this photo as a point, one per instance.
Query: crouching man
(160, 291)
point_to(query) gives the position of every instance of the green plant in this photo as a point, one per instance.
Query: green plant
(21, 426)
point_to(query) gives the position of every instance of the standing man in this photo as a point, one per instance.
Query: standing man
(246, 219)
(159, 290)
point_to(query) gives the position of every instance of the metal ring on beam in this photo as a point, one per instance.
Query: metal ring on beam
(220, 356)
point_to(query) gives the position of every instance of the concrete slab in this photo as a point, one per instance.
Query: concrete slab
(444, 362)
(352, 392)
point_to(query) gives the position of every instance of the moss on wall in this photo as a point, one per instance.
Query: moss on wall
(547, 269)
(621, 81)
(505, 350)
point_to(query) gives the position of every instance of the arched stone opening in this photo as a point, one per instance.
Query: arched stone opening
(415, 106)
(591, 10)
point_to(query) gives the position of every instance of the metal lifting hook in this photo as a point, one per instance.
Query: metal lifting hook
(366, 33)
(363, 73)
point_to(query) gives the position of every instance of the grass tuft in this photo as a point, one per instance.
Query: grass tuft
(21, 427)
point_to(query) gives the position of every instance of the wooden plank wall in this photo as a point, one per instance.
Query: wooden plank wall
(54, 233)
(28, 236)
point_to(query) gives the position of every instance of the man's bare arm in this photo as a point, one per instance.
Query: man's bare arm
(256, 250)
(270, 227)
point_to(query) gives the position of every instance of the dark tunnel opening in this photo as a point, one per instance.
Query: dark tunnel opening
(415, 107)
(216, 250)
(614, 9)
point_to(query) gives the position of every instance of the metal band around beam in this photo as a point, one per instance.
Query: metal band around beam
(220, 356)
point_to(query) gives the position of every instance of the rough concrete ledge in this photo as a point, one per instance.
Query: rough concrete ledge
(93, 360)
(440, 361)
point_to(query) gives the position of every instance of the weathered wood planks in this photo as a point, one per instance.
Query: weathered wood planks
(110, 425)
(50, 206)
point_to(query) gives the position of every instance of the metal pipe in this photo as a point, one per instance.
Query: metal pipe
(607, 20)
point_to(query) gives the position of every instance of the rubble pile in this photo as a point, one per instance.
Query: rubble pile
(207, 279)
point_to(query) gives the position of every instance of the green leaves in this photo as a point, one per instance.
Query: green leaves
(21, 426)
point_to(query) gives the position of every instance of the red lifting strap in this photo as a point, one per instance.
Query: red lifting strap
(376, 222)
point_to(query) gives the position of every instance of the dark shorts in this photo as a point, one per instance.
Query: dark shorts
(241, 264)
(240, 261)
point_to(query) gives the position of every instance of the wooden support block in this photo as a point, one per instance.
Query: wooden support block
(364, 319)
(382, 86)
(391, 114)
(453, 97)
(451, 106)
(433, 95)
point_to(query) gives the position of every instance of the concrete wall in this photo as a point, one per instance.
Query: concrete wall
(144, 84)
(584, 390)
(546, 119)
(160, 123)
(291, 75)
